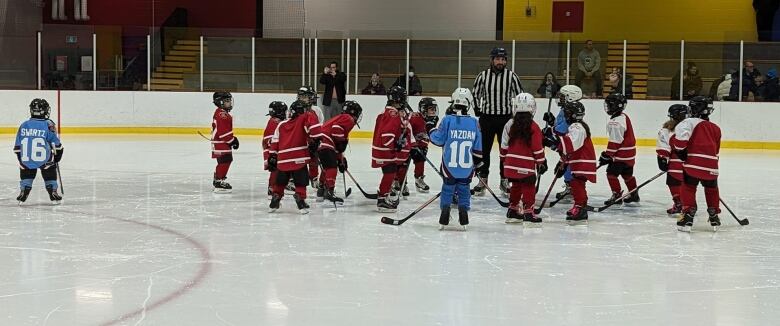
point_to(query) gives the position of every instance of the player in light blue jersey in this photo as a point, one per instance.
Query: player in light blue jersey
(567, 94)
(459, 136)
(38, 147)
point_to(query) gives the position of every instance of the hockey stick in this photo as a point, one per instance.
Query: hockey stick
(62, 189)
(547, 125)
(602, 208)
(741, 222)
(387, 220)
(547, 195)
(482, 181)
(552, 203)
(367, 195)
(204, 136)
(347, 191)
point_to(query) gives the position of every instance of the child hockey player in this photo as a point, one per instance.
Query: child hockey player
(523, 155)
(567, 94)
(307, 95)
(697, 143)
(38, 147)
(422, 122)
(223, 142)
(577, 154)
(290, 154)
(391, 145)
(667, 159)
(335, 137)
(277, 111)
(621, 150)
(461, 140)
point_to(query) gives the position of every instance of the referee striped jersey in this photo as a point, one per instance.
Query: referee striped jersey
(493, 92)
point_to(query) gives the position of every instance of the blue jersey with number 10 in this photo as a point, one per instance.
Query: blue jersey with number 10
(460, 138)
(34, 142)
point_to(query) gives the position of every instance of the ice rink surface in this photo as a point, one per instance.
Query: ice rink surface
(141, 240)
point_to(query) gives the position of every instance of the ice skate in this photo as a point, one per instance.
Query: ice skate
(478, 190)
(714, 219)
(513, 216)
(385, 205)
(23, 194)
(303, 207)
(444, 218)
(330, 195)
(55, 197)
(615, 199)
(577, 215)
(275, 201)
(315, 183)
(565, 193)
(463, 217)
(675, 209)
(420, 184)
(531, 220)
(632, 199)
(320, 194)
(685, 222)
(222, 187)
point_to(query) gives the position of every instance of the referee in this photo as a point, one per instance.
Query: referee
(494, 90)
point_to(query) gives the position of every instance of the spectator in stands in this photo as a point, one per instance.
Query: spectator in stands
(549, 87)
(758, 92)
(616, 81)
(724, 88)
(375, 86)
(749, 74)
(415, 87)
(772, 92)
(734, 89)
(335, 91)
(692, 83)
(589, 63)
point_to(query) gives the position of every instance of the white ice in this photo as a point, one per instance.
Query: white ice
(140, 239)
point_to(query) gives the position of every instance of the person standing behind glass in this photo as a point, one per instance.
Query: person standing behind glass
(589, 63)
(335, 91)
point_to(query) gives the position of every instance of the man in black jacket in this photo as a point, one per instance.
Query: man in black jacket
(335, 92)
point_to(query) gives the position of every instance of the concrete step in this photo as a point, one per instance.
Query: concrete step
(181, 58)
(190, 65)
(191, 42)
(166, 81)
(164, 87)
(172, 69)
(195, 53)
(195, 48)
(167, 75)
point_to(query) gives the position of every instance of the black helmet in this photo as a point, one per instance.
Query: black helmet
(701, 106)
(297, 108)
(220, 98)
(679, 112)
(39, 109)
(425, 103)
(573, 112)
(309, 93)
(498, 52)
(396, 94)
(614, 104)
(277, 109)
(354, 109)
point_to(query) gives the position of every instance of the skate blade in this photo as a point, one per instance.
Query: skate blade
(386, 210)
(715, 228)
(513, 221)
(532, 224)
(56, 202)
(686, 229)
(303, 211)
(222, 191)
(423, 191)
(457, 228)
(576, 223)
(272, 210)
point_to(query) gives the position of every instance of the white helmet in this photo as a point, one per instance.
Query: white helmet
(570, 93)
(524, 103)
(462, 97)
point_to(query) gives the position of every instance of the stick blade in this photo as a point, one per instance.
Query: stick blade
(744, 222)
(349, 192)
(390, 221)
(372, 196)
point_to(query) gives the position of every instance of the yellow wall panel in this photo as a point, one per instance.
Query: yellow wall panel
(638, 20)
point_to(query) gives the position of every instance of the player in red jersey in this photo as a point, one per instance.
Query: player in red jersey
(223, 142)
(421, 123)
(335, 138)
(577, 152)
(307, 95)
(523, 156)
(290, 153)
(620, 155)
(667, 159)
(391, 145)
(697, 143)
(277, 111)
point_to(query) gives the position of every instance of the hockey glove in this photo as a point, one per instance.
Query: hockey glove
(341, 146)
(478, 162)
(342, 165)
(234, 143)
(399, 144)
(314, 144)
(431, 123)
(549, 118)
(560, 169)
(550, 139)
(605, 159)
(272, 163)
(683, 154)
(663, 164)
(419, 154)
(58, 154)
(541, 168)
(18, 152)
